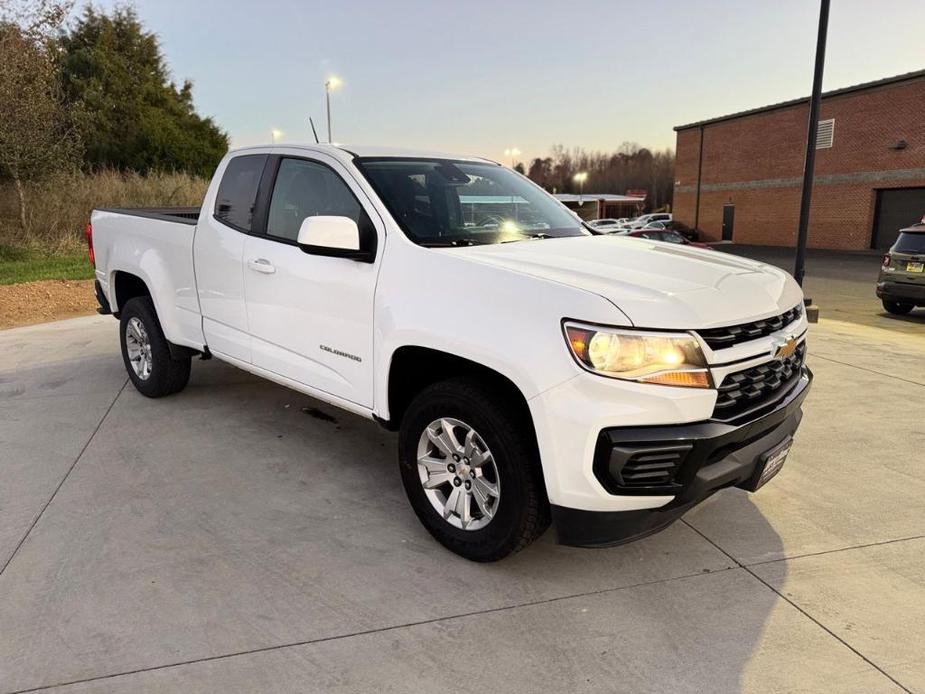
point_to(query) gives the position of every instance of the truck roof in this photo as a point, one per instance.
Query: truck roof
(347, 152)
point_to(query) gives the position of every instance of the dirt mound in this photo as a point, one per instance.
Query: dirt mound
(48, 300)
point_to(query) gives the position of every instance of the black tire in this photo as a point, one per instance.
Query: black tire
(168, 375)
(522, 508)
(898, 308)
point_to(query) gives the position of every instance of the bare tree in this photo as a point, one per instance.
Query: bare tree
(36, 136)
(629, 167)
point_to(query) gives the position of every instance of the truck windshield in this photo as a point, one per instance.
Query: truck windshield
(440, 202)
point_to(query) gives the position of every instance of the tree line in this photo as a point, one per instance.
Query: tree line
(90, 95)
(96, 94)
(631, 167)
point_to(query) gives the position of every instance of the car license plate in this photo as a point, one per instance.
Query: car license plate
(770, 464)
(915, 267)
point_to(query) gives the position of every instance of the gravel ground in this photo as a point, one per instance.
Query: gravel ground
(48, 300)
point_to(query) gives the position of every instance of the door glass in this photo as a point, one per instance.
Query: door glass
(308, 189)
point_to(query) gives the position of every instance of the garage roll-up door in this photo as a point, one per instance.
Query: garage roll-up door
(897, 208)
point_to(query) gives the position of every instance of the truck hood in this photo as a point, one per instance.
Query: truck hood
(657, 285)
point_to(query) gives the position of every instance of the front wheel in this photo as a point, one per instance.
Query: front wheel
(897, 308)
(471, 472)
(150, 366)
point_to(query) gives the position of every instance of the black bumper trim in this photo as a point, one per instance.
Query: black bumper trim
(721, 455)
(104, 308)
(902, 291)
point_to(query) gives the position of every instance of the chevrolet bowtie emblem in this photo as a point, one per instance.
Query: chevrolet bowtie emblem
(783, 348)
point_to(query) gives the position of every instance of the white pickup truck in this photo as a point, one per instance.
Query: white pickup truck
(537, 373)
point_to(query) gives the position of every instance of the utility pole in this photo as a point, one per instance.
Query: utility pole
(809, 162)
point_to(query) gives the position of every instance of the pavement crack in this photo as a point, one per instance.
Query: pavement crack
(864, 368)
(378, 630)
(823, 552)
(801, 610)
(67, 474)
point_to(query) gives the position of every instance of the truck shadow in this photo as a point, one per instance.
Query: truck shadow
(264, 512)
(672, 612)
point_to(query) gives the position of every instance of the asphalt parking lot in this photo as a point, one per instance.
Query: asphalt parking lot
(240, 537)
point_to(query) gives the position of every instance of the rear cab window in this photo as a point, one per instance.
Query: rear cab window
(237, 193)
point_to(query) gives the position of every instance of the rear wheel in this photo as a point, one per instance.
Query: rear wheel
(151, 368)
(898, 308)
(471, 472)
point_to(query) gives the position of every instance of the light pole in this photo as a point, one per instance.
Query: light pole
(809, 161)
(330, 84)
(512, 152)
(580, 179)
(274, 134)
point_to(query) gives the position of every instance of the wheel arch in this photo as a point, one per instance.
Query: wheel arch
(412, 368)
(126, 286)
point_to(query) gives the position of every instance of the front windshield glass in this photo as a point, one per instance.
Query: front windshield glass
(439, 202)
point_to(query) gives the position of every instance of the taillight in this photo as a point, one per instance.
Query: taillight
(90, 244)
(886, 261)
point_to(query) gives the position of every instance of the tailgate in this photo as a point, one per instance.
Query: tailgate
(907, 267)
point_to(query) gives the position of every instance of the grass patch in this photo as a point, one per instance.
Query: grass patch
(19, 265)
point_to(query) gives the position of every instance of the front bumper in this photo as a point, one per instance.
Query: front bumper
(902, 291)
(709, 456)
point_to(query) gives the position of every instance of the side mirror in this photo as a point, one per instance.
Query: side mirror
(337, 237)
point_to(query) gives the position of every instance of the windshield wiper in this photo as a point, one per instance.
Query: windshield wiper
(452, 243)
(538, 235)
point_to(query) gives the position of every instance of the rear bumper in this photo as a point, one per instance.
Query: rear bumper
(902, 291)
(711, 456)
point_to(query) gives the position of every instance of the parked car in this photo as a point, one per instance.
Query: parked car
(685, 231)
(604, 225)
(510, 356)
(901, 285)
(658, 232)
(646, 219)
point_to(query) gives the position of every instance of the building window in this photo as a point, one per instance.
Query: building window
(825, 133)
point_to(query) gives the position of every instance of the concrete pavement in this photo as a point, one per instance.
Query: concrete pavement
(231, 539)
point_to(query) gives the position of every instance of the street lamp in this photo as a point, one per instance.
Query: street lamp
(330, 84)
(512, 152)
(580, 179)
(275, 134)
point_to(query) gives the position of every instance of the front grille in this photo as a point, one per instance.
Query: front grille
(751, 389)
(721, 338)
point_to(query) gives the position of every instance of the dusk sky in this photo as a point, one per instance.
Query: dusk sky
(477, 77)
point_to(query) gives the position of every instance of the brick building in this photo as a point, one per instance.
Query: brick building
(738, 176)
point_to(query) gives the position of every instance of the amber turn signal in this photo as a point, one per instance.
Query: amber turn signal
(688, 379)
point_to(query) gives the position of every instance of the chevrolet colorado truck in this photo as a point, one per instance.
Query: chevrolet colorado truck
(536, 373)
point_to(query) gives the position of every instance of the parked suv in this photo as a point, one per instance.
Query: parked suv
(901, 285)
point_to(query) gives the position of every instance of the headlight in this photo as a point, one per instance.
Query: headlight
(672, 359)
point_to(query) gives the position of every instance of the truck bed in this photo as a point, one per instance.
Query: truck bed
(184, 215)
(155, 245)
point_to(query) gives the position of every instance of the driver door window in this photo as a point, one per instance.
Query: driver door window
(308, 189)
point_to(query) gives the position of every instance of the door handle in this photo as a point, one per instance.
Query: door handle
(261, 265)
